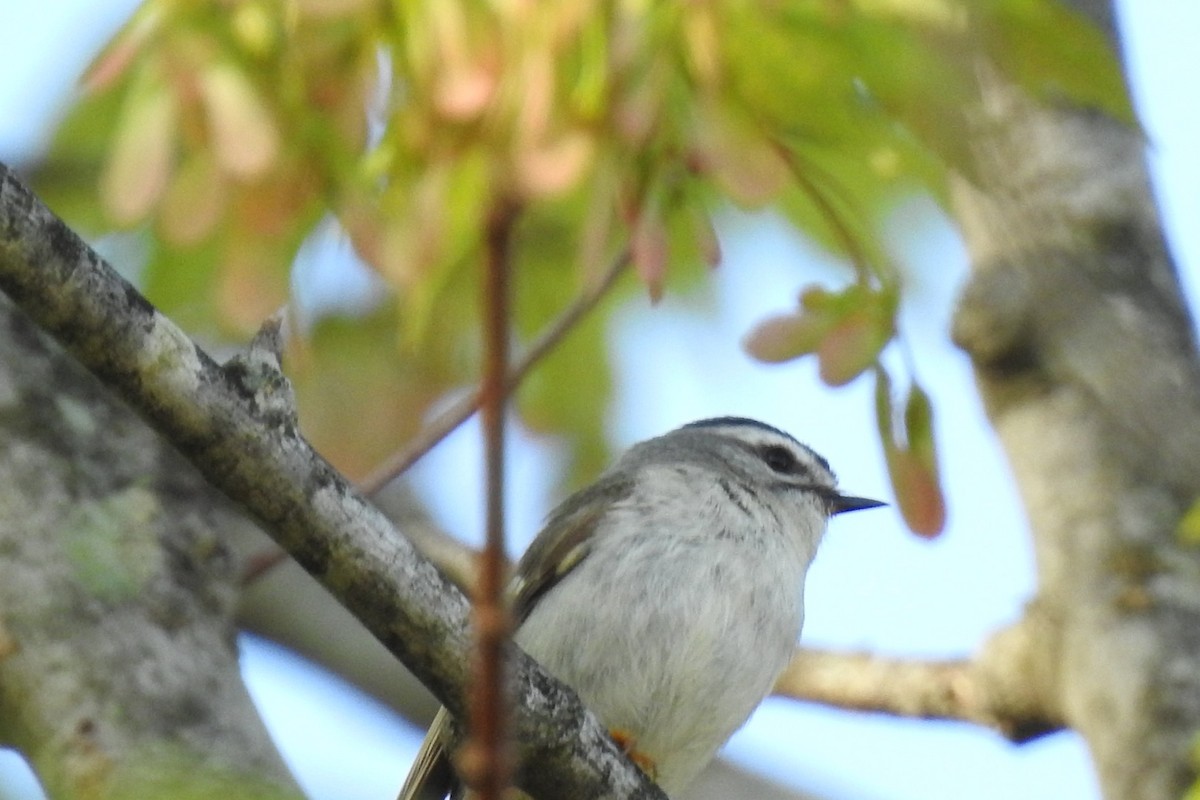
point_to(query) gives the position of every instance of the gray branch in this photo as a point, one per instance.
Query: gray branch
(999, 688)
(233, 426)
(1084, 354)
(118, 668)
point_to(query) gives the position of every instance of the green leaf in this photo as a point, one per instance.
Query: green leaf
(785, 337)
(613, 132)
(567, 392)
(918, 426)
(916, 76)
(142, 156)
(851, 346)
(358, 401)
(926, 508)
(1053, 51)
(649, 249)
(1188, 530)
(1193, 791)
(865, 324)
(918, 493)
(242, 132)
(911, 462)
(884, 414)
(847, 330)
(738, 157)
(195, 202)
(180, 282)
(68, 178)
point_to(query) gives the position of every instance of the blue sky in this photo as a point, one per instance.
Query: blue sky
(874, 586)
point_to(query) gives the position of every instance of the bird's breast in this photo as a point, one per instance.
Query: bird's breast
(676, 647)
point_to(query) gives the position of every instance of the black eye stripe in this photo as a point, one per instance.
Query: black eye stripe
(778, 458)
(783, 461)
(753, 424)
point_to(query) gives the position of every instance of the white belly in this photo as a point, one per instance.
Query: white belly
(679, 672)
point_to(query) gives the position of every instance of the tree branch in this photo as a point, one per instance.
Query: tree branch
(236, 426)
(456, 560)
(485, 760)
(118, 670)
(462, 409)
(996, 689)
(1086, 360)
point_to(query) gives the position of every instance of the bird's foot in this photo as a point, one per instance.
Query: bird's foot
(628, 743)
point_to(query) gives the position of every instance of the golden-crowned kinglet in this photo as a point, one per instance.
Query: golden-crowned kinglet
(670, 592)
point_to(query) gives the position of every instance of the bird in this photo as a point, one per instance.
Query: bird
(669, 593)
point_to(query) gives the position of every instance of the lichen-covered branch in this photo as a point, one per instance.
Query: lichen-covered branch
(118, 671)
(233, 425)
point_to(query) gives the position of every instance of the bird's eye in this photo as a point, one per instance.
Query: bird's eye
(780, 459)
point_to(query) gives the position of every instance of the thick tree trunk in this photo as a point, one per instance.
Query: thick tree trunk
(118, 666)
(115, 597)
(236, 423)
(1085, 356)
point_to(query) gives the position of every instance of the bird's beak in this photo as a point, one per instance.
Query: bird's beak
(840, 503)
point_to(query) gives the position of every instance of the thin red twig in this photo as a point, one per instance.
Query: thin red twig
(462, 409)
(487, 758)
(458, 413)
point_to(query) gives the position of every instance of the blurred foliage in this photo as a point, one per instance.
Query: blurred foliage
(1193, 792)
(226, 129)
(911, 455)
(847, 330)
(1187, 532)
(352, 384)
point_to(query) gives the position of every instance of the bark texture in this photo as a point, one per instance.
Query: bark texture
(998, 688)
(118, 668)
(115, 595)
(237, 425)
(1085, 357)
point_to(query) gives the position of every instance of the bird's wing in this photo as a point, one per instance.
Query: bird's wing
(431, 776)
(563, 543)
